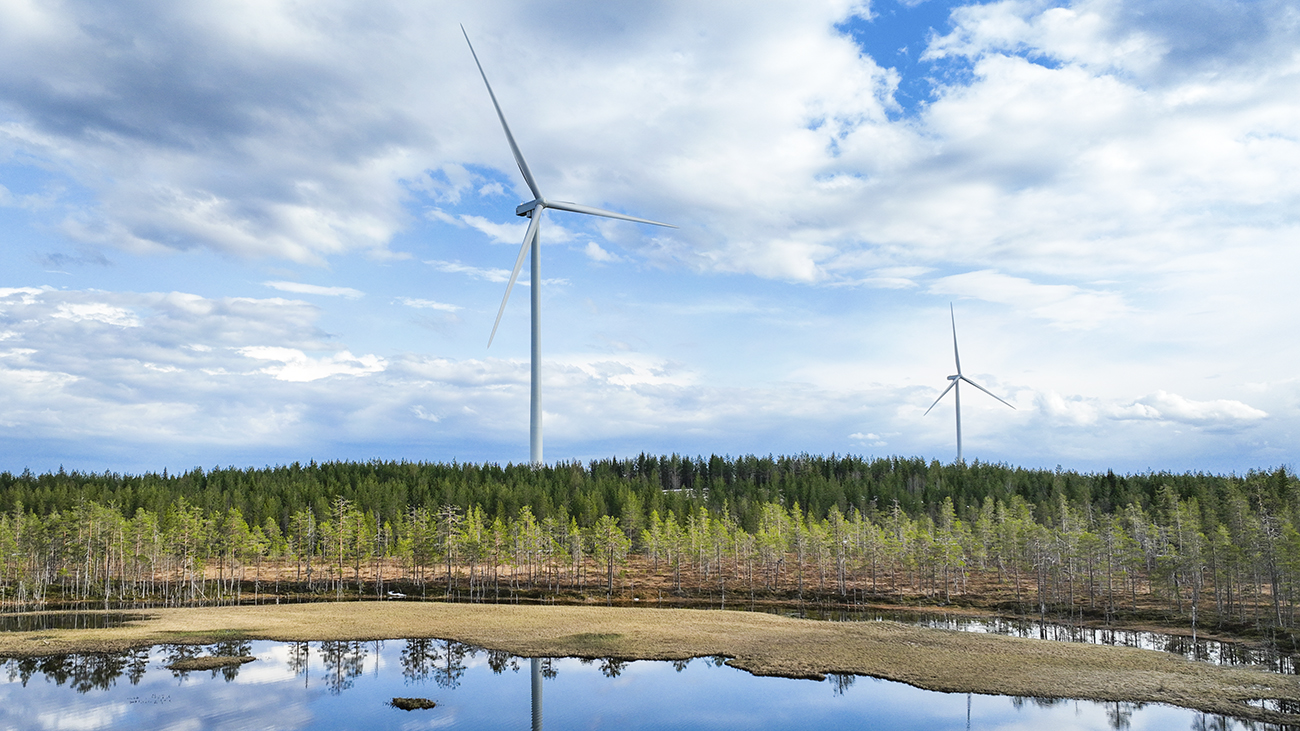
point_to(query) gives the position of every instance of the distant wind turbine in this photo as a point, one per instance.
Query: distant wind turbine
(955, 385)
(533, 211)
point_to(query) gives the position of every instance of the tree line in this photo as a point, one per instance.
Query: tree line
(837, 528)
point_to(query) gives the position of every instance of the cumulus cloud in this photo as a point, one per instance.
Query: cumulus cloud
(1172, 407)
(258, 374)
(1081, 141)
(596, 253)
(299, 367)
(97, 312)
(1115, 179)
(1160, 406)
(870, 440)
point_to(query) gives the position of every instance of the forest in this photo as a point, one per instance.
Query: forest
(1219, 550)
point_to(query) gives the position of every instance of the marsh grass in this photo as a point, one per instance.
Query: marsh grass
(762, 644)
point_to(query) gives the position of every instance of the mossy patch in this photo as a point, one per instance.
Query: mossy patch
(210, 663)
(412, 704)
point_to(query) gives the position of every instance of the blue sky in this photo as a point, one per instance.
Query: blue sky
(254, 233)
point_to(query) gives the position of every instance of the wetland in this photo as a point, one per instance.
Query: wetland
(761, 645)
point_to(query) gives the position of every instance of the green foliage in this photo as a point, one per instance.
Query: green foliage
(820, 524)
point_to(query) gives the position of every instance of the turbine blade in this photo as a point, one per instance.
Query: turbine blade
(945, 393)
(534, 222)
(955, 355)
(589, 210)
(519, 156)
(985, 390)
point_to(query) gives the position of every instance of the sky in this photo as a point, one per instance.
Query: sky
(254, 233)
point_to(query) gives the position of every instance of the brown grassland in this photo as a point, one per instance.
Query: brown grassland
(762, 644)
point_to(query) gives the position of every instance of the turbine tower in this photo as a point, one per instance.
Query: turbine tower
(955, 383)
(533, 211)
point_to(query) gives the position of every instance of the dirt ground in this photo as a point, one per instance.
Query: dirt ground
(763, 644)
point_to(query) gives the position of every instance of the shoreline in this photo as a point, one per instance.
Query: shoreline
(1253, 638)
(760, 643)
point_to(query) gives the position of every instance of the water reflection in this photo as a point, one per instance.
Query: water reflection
(1213, 651)
(327, 685)
(343, 661)
(444, 661)
(38, 621)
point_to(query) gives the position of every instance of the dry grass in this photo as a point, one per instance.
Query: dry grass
(760, 643)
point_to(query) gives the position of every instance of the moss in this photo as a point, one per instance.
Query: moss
(209, 663)
(412, 704)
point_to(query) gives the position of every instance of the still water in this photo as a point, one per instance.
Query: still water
(345, 685)
(1263, 654)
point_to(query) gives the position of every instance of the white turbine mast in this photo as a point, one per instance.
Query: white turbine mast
(533, 211)
(954, 384)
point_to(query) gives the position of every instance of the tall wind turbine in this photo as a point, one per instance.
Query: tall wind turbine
(533, 211)
(955, 383)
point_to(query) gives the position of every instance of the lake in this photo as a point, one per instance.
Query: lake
(346, 685)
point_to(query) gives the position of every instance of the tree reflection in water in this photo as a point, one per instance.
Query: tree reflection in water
(500, 661)
(1120, 715)
(175, 653)
(83, 673)
(300, 660)
(137, 661)
(841, 682)
(343, 662)
(612, 667)
(443, 660)
(230, 648)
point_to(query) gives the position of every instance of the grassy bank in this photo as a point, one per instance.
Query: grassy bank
(759, 643)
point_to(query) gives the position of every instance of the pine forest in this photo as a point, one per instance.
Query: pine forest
(839, 531)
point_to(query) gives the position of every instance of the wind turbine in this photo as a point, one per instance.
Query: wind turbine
(533, 211)
(955, 383)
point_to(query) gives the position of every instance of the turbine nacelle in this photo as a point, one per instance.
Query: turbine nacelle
(525, 209)
(953, 378)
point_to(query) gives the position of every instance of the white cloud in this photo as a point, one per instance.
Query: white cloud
(97, 312)
(26, 295)
(1077, 410)
(455, 267)
(500, 233)
(299, 367)
(1066, 305)
(1086, 33)
(489, 275)
(1172, 407)
(595, 253)
(428, 304)
(300, 288)
(1114, 179)
(870, 440)
(420, 413)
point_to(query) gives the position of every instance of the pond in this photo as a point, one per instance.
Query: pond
(33, 621)
(1264, 655)
(338, 685)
